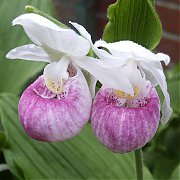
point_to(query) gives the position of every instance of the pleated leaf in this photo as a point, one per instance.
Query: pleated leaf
(15, 73)
(134, 20)
(82, 157)
(176, 174)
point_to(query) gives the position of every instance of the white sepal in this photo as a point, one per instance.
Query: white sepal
(48, 35)
(29, 52)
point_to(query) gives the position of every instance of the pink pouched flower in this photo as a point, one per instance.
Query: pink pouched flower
(47, 116)
(122, 124)
(57, 105)
(125, 119)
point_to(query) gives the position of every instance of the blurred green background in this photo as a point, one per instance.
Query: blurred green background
(83, 157)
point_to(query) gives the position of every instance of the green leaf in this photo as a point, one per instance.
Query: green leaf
(147, 174)
(173, 77)
(163, 157)
(153, 2)
(176, 173)
(150, 158)
(164, 168)
(2, 140)
(82, 157)
(15, 73)
(134, 20)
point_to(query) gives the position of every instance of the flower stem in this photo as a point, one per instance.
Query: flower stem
(139, 164)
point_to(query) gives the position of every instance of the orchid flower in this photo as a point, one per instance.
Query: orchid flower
(100, 69)
(125, 113)
(121, 121)
(148, 63)
(57, 105)
(121, 54)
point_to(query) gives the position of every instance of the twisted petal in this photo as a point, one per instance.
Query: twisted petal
(48, 118)
(48, 35)
(123, 129)
(161, 80)
(148, 76)
(29, 52)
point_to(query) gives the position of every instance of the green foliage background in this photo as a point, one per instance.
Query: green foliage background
(83, 157)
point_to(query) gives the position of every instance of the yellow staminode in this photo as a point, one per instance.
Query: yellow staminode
(54, 87)
(122, 94)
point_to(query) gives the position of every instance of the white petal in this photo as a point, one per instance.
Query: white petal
(149, 76)
(45, 33)
(119, 47)
(131, 50)
(91, 80)
(29, 52)
(92, 85)
(104, 55)
(115, 51)
(161, 79)
(156, 65)
(82, 31)
(108, 75)
(163, 57)
(152, 58)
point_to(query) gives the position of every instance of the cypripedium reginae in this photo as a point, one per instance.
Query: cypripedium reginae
(58, 104)
(122, 54)
(122, 121)
(126, 110)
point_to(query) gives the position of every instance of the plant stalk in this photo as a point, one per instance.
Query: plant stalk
(138, 164)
